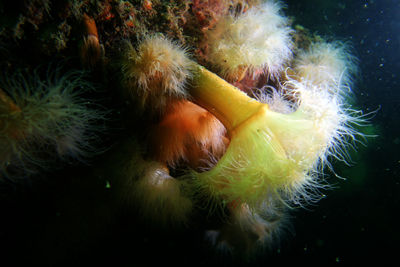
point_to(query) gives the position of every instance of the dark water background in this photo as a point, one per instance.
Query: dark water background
(357, 222)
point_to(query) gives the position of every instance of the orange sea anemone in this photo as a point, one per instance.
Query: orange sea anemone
(187, 134)
(89, 46)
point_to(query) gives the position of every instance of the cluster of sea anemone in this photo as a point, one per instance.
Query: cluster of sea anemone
(210, 145)
(248, 158)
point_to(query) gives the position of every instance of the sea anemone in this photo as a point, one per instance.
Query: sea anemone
(89, 46)
(156, 72)
(147, 185)
(187, 134)
(272, 156)
(255, 41)
(45, 120)
(245, 232)
(326, 62)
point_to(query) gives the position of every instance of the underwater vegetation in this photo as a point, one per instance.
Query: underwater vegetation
(187, 140)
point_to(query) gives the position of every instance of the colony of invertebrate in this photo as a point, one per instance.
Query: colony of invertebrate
(276, 144)
(201, 143)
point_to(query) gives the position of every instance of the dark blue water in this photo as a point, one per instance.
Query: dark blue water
(359, 217)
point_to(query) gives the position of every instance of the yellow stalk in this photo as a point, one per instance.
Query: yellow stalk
(230, 105)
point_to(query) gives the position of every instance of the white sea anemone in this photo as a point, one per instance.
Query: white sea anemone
(254, 41)
(327, 63)
(155, 72)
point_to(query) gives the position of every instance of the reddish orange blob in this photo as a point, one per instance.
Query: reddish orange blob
(147, 5)
(185, 133)
(7, 106)
(89, 26)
